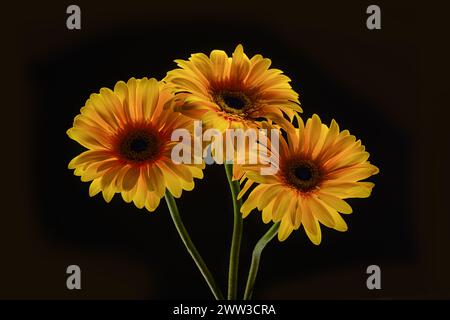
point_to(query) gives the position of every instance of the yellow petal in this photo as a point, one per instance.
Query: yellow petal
(258, 69)
(244, 190)
(310, 224)
(87, 157)
(128, 196)
(285, 229)
(152, 201)
(240, 64)
(130, 178)
(219, 60)
(160, 186)
(202, 63)
(189, 85)
(132, 99)
(269, 194)
(345, 190)
(108, 177)
(264, 179)
(298, 215)
(335, 202)
(252, 200)
(313, 128)
(339, 223)
(330, 138)
(103, 109)
(150, 179)
(267, 212)
(280, 206)
(87, 140)
(354, 173)
(107, 183)
(196, 172)
(180, 170)
(95, 187)
(150, 97)
(320, 212)
(121, 89)
(172, 181)
(141, 193)
(114, 103)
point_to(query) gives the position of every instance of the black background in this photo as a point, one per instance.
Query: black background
(369, 81)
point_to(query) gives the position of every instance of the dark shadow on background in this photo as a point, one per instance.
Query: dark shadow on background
(380, 230)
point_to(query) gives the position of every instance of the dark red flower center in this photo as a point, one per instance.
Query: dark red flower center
(302, 174)
(233, 101)
(139, 145)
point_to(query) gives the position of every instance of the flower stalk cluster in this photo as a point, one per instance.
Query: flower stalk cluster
(144, 142)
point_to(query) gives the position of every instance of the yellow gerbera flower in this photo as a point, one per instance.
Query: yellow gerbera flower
(233, 92)
(128, 134)
(319, 166)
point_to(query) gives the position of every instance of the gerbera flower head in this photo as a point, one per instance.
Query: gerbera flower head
(233, 92)
(128, 133)
(319, 167)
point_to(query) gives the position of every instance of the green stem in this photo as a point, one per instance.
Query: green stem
(237, 235)
(171, 204)
(256, 257)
